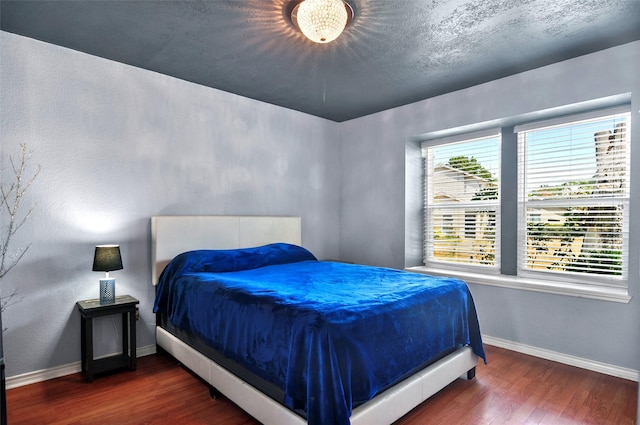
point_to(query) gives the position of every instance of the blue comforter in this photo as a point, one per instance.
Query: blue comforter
(331, 335)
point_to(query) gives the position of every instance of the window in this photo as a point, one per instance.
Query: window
(563, 225)
(574, 197)
(462, 195)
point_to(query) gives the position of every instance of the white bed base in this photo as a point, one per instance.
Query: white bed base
(172, 235)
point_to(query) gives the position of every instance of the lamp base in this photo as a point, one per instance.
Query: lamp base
(107, 291)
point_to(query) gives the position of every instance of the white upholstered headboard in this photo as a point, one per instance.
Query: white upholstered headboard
(172, 235)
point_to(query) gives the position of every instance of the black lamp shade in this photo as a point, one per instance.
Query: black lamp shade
(107, 258)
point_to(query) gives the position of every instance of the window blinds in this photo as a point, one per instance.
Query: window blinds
(574, 194)
(462, 201)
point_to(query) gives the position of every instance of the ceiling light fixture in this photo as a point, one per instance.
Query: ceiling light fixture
(321, 21)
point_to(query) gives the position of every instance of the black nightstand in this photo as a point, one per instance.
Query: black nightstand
(125, 305)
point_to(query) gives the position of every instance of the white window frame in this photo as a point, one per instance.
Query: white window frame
(579, 278)
(427, 257)
(598, 289)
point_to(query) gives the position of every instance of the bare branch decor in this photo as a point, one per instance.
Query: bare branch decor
(11, 219)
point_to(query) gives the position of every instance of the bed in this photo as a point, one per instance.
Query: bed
(294, 340)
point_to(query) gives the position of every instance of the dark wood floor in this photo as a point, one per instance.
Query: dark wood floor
(512, 389)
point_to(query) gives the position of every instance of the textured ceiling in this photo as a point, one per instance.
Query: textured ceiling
(393, 53)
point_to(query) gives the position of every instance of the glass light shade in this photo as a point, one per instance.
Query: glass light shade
(322, 21)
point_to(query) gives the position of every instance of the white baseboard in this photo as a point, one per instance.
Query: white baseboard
(58, 371)
(607, 369)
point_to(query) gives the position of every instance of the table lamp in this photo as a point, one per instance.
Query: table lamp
(106, 259)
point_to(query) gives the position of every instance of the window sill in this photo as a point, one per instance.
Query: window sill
(605, 293)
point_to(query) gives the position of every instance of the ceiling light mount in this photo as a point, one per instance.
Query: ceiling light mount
(321, 21)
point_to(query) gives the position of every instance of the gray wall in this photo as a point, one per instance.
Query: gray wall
(118, 145)
(375, 210)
